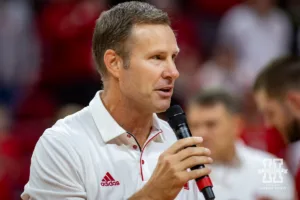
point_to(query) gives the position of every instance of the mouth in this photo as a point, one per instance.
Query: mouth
(165, 91)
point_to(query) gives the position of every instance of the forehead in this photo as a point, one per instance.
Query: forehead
(264, 101)
(148, 37)
(201, 112)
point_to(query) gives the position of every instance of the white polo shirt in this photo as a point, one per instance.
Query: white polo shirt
(88, 155)
(253, 175)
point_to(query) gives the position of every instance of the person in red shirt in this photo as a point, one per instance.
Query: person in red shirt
(9, 157)
(66, 29)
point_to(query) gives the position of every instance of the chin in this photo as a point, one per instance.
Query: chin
(162, 106)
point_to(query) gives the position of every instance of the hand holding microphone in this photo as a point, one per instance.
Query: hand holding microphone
(177, 120)
(171, 172)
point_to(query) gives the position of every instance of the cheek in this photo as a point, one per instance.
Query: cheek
(281, 122)
(225, 132)
(145, 75)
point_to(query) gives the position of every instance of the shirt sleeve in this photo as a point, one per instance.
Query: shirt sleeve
(54, 171)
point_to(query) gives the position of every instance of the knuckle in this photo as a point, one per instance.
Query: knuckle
(204, 151)
(161, 157)
(203, 171)
(167, 160)
(195, 159)
(191, 150)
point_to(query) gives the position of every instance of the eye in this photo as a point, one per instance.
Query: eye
(211, 124)
(157, 57)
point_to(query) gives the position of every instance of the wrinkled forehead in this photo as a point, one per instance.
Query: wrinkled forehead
(150, 37)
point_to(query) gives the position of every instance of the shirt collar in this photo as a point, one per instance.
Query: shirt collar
(156, 128)
(108, 127)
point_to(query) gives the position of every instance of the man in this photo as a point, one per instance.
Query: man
(276, 90)
(270, 91)
(214, 115)
(117, 147)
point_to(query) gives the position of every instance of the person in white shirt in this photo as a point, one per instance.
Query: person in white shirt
(117, 147)
(258, 32)
(239, 169)
(220, 72)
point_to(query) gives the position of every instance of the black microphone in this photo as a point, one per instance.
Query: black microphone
(177, 120)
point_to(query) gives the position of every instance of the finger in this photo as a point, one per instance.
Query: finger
(191, 175)
(192, 151)
(183, 143)
(193, 161)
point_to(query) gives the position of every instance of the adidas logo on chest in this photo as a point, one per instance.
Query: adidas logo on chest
(108, 180)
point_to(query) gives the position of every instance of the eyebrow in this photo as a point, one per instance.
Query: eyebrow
(164, 52)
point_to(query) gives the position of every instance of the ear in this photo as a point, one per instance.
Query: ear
(113, 63)
(239, 124)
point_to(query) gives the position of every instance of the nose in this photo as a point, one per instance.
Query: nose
(170, 72)
(200, 131)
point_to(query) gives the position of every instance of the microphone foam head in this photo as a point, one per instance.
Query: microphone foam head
(173, 111)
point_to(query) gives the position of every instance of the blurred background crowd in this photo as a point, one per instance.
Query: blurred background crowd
(47, 70)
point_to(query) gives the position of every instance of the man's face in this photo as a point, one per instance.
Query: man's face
(274, 113)
(292, 102)
(148, 82)
(216, 125)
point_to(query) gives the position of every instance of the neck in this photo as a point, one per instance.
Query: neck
(228, 157)
(134, 120)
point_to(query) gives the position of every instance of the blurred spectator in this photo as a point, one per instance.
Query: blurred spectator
(66, 29)
(9, 156)
(274, 114)
(187, 63)
(66, 110)
(19, 50)
(214, 7)
(298, 42)
(207, 15)
(293, 8)
(270, 89)
(258, 32)
(277, 95)
(220, 72)
(214, 115)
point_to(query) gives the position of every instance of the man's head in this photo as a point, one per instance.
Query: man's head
(277, 91)
(134, 48)
(214, 115)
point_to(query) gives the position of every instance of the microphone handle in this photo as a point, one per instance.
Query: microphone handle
(204, 183)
